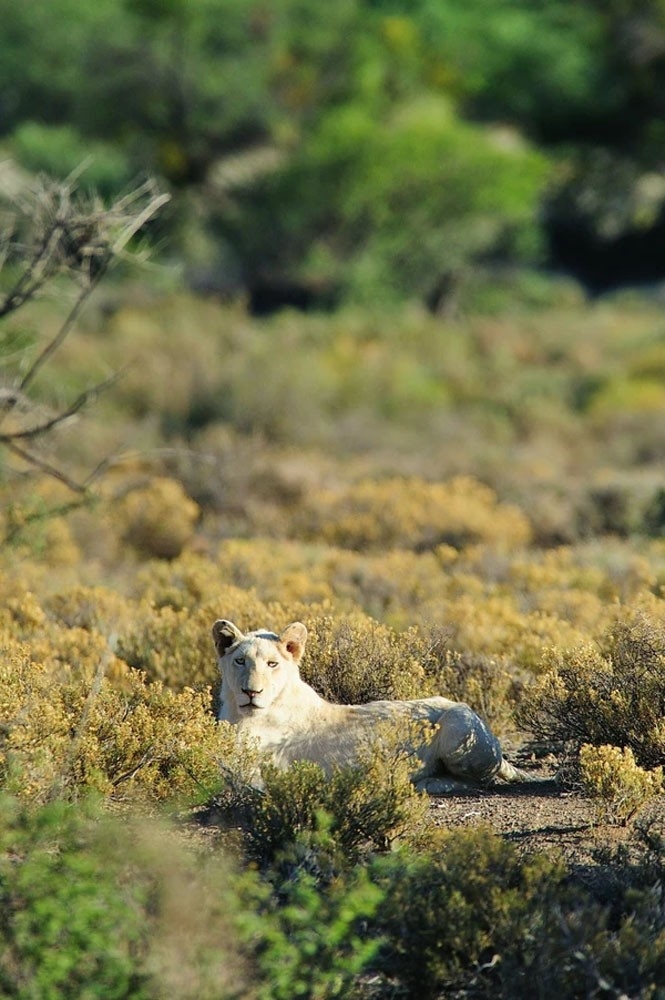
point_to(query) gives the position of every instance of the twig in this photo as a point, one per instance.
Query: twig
(46, 425)
(62, 333)
(138, 223)
(43, 466)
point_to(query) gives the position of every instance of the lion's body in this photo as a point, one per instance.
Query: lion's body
(264, 695)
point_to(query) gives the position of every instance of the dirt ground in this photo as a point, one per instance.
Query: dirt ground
(543, 816)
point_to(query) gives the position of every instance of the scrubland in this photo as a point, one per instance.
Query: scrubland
(472, 506)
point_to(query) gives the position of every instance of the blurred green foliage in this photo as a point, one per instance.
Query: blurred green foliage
(59, 150)
(105, 907)
(393, 206)
(388, 174)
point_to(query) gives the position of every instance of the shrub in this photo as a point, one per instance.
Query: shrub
(66, 928)
(59, 150)
(307, 942)
(354, 659)
(451, 917)
(112, 908)
(97, 609)
(387, 206)
(186, 582)
(159, 518)
(169, 646)
(412, 513)
(472, 918)
(609, 695)
(363, 807)
(101, 906)
(64, 734)
(284, 571)
(619, 787)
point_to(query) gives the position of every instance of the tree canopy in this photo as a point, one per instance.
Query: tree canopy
(361, 146)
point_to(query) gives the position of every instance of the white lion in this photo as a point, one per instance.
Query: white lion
(264, 695)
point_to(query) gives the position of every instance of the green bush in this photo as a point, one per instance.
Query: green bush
(368, 806)
(471, 917)
(59, 150)
(429, 195)
(448, 918)
(66, 928)
(310, 940)
(395, 205)
(112, 908)
(545, 67)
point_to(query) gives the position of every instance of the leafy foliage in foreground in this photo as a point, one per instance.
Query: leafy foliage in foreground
(134, 910)
(95, 907)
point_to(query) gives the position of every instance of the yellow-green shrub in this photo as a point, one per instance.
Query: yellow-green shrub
(33, 519)
(158, 519)
(173, 647)
(97, 608)
(617, 784)
(397, 586)
(612, 694)
(66, 734)
(277, 570)
(412, 513)
(355, 659)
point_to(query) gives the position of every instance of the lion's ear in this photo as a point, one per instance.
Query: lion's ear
(224, 634)
(293, 638)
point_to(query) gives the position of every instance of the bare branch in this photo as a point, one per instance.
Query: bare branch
(58, 510)
(61, 335)
(46, 425)
(46, 467)
(57, 231)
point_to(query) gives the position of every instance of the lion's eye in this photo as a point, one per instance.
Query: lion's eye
(273, 663)
(240, 660)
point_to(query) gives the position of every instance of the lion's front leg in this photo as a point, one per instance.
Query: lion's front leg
(462, 747)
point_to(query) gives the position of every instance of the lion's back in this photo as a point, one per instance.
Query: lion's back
(418, 709)
(332, 735)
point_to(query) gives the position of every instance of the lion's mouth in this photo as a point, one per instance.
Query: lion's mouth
(249, 704)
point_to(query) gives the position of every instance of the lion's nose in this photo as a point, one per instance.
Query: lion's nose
(250, 692)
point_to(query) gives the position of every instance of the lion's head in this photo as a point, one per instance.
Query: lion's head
(257, 666)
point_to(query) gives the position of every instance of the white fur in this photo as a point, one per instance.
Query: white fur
(265, 696)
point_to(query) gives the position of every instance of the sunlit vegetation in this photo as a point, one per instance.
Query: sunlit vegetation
(447, 460)
(530, 588)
